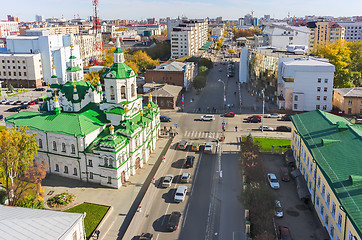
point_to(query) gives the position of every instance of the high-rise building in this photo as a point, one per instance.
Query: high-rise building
(188, 37)
(12, 18)
(8, 28)
(324, 32)
(39, 18)
(353, 30)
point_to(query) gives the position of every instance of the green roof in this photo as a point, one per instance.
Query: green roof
(74, 69)
(117, 111)
(75, 124)
(205, 46)
(120, 71)
(68, 89)
(336, 146)
(118, 50)
(72, 57)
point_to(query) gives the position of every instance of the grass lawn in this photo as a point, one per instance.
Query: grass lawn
(13, 94)
(267, 143)
(95, 214)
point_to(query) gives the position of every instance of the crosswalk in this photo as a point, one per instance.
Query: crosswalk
(200, 134)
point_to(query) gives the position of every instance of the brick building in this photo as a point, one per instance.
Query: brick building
(165, 95)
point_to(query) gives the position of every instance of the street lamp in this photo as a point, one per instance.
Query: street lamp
(224, 90)
(218, 147)
(262, 119)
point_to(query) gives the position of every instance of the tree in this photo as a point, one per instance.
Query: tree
(36, 174)
(199, 82)
(17, 149)
(133, 65)
(203, 69)
(206, 62)
(92, 77)
(231, 51)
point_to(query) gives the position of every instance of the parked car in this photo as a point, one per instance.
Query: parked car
(173, 221)
(284, 233)
(32, 103)
(286, 117)
(273, 181)
(284, 174)
(24, 106)
(207, 118)
(266, 128)
(18, 102)
(1, 117)
(165, 119)
(273, 115)
(3, 102)
(253, 120)
(195, 147)
(278, 209)
(189, 161)
(9, 103)
(180, 193)
(182, 145)
(254, 116)
(14, 109)
(185, 177)
(146, 236)
(25, 103)
(283, 129)
(167, 180)
(229, 114)
(39, 89)
(208, 147)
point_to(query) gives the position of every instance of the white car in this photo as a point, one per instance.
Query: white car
(208, 147)
(207, 118)
(266, 128)
(273, 181)
(278, 209)
(180, 193)
(185, 178)
(167, 181)
(273, 115)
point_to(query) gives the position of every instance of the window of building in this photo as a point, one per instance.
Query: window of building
(326, 80)
(324, 107)
(295, 106)
(40, 143)
(90, 163)
(75, 172)
(73, 149)
(325, 89)
(24, 67)
(65, 169)
(349, 101)
(24, 61)
(75, 236)
(295, 98)
(109, 180)
(339, 221)
(322, 211)
(350, 235)
(133, 90)
(25, 74)
(54, 146)
(123, 92)
(318, 98)
(20, 74)
(325, 98)
(328, 199)
(319, 80)
(112, 93)
(63, 147)
(323, 190)
(317, 201)
(326, 220)
(317, 107)
(349, 110)
(90, 175)
(9, 73)
(318, 89)
(56, 167)
(333, 211)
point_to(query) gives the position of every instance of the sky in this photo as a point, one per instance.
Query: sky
(143, 9)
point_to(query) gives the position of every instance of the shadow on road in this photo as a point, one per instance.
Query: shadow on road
(168, 196)
(178, 163)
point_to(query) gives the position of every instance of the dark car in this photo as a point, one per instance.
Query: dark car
(284, 129)
(18, 102)
(253, 120)
(286, 117)
(146, 236)
(284, 233)
(24, 106)
(39, 89)
(165, 119)
(14, 109)
(284, 174)
(189, 161)
(1, 117)
(173, 221)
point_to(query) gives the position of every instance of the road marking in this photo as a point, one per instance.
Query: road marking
(163, 220)
(157, 236)
(197, 170)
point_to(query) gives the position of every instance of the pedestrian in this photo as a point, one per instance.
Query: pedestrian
(97, 232)
(236, 128)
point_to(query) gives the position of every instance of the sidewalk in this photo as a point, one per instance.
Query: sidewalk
(121, 200)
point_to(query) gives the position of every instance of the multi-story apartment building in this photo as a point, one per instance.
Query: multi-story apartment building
(305, 85)
(21, 70)
(353, 30)
(62, 30)
(348, 100)
(188, 37)
(217, 31)
(323, 32)
(8, 28)
(327, 150)
(87, 47)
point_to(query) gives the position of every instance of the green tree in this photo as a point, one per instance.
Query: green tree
(231, 51)
(203, 69)
(92, 77)
(207, 63)
(17, 150)
(199, 82)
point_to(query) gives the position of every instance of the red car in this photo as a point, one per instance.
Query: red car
(284, 233)
(31, 103)
(284, 174)
(254, 116)
(229, 114)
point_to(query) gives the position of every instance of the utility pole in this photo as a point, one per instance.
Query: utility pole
(262, 119)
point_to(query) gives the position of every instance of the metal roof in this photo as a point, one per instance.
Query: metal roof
(350, 92)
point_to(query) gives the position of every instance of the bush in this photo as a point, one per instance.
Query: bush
(30, 201)
(60, 200)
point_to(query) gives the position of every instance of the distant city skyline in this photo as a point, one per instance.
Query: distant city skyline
(143, 9)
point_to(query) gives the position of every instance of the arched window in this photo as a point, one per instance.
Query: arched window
(73, 149)
(106, 162)
(65, 169)
(63, 147)
(123, 92)
(110, 162)
(75, 172)
(112, 93)
(54, 146)
(40, 143)
(56, 167)
(133, 90)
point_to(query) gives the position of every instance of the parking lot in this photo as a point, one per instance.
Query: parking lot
(301, 221)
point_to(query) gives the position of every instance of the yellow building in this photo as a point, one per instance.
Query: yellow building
(54, 30)
(348, 100)
(323, 32)
(328, 152)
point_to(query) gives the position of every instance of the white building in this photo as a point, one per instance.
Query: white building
(82, 136)
(87, 47)
(353, 30)
(8, 28)
(281, 34)
(217, 31)
(50, 47)
(21, 70)
(39, 18)
(29, 223)
(188, 37)
(305, 85)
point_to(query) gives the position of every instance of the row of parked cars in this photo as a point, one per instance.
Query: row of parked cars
(22, 105)
(208, 147)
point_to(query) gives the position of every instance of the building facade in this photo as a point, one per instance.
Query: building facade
(21, 70)
(324, 32)
(353, 30)
(8, 28)
(348, 100)
(93, 136)
(327, 150)
(188, 37)
(305, 85)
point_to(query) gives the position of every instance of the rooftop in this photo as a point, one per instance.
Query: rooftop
(350, 92)
(336, 146)
(171, 66)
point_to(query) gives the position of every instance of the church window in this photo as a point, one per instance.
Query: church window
(54, 146)
(75, 172)
(123, 92)
(65, 169)
(133, 90)
(106, 162)
(40, 143)
(63, 147)
(90, 175)
(56, 167)
(112, 93)
(73, 149)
